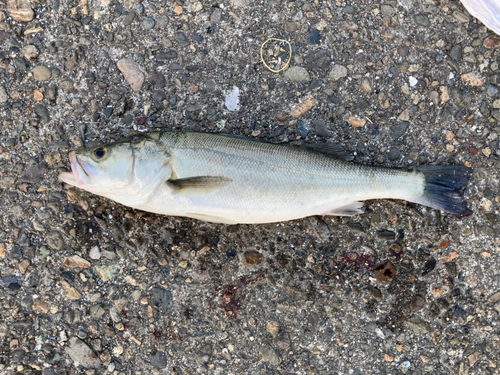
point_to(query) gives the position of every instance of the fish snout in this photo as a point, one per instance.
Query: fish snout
(77, 176)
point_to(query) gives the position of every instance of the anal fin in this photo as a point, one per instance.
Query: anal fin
(211, 218)
(350, 209)
(200, 185)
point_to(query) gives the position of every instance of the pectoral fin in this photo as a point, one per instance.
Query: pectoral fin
(201, 185)
(348, 210)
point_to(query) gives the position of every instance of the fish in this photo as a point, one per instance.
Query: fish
(236, 180)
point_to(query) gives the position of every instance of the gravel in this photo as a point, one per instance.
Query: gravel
(297, 74)
(91, 287)
(338, 72)
(41, 73)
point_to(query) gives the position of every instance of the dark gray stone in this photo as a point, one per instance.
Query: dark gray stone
(302, 129)
(318, 59)
(129, 18)
(349, 9)
(197, 38)
(159, 96)
(321, 129)
(162, 298)
(421, 19)
(22, 64)
(386, 234)
(158, 81)
(181, 37)
(159, 360)
(399, 129)
(216, 15)
(169, 55)
(312, 324)
(12, 282)
(456, 52)
(42, 112)
(51, 93)
(175, 66)
(34, 173)
(314, 37)
(393, 154)
(107, 112)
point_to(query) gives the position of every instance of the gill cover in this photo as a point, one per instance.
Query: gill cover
(127, 172)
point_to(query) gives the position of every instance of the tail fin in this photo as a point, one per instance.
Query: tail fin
(443, 185)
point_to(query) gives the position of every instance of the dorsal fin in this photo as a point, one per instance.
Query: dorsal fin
(324, 147)
(332, 149)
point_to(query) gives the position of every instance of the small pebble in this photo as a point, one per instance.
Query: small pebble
(297, 74)
(181, 37)
(356, 122)
(107, 272)
(461, 16)
(162, 22)
(338, 72)
(472, 79)
(304, 106)
(30, 52)
(492, 41)
(366, 86)
(3, 95)
(37, 95)
(349, 9)
(20, 10)
(321, 128)
(421, 19)
(132, 73)
(94, 253)
(292, 26)
(314, 37)
(129, 18)
(81, 353)
(216, 15)
(41, 73)
(252, 258)
(269, 355)
(76, 261)
(178, 10)
(148, 23)
(196, 7)
(456, 52)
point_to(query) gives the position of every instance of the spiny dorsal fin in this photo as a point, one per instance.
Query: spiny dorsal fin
(200, 185)
(324, 147)
(332, 149)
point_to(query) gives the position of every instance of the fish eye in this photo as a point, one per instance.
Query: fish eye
(100, 152)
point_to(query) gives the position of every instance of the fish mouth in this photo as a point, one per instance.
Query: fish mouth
(79, 175)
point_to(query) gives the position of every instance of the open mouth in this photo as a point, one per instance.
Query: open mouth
(78, 175)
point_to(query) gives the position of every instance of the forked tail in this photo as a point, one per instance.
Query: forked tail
(443, 188)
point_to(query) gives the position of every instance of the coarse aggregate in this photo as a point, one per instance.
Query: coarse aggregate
(92, 287)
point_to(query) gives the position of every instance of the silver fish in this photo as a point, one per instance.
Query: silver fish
(231, 180)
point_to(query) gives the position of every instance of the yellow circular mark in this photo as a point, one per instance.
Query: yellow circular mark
(285, 65)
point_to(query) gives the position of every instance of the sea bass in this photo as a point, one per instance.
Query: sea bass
(228, 179)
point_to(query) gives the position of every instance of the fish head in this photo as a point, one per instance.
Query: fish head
(127, 172)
